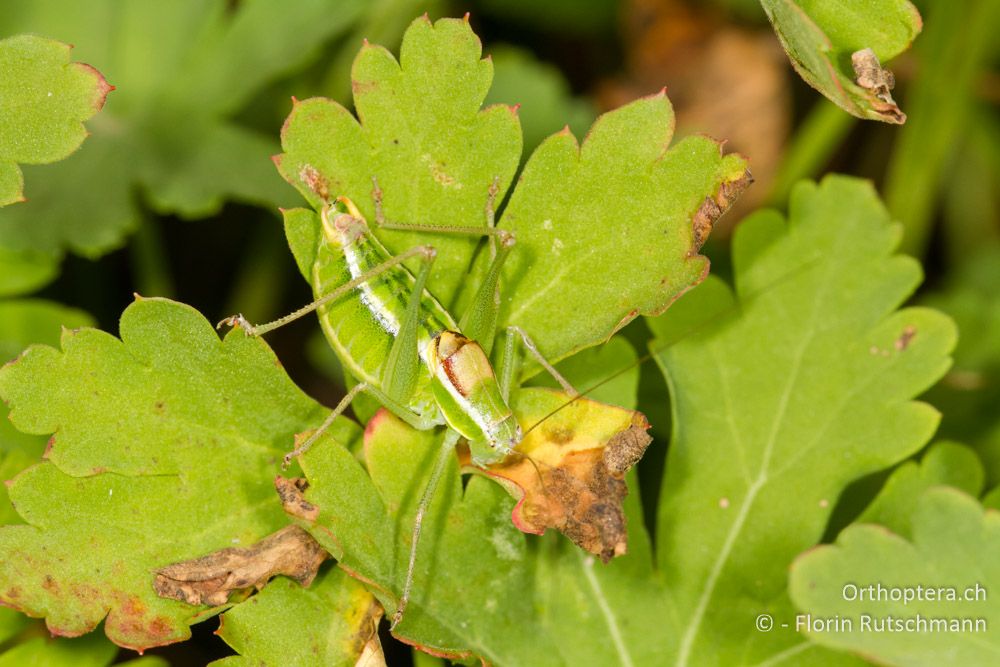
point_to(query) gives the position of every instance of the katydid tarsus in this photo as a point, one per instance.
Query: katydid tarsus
(406, 350)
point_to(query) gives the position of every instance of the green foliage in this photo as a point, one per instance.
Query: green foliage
(603, 369)
(330, 623)
(953, 545)
(11, 623)
(569, 233)
(942, 105)
(820, 37)
(969, 394)
(478, 583)
(366, 522)
(815, 340)
(23, 322)
(784, 389)
(167, 429)
(780, 405)
(945, 464)
(92, 651)
(441, 172)
(436, 172)
(23, 272)
(44, 99)
(183, 70)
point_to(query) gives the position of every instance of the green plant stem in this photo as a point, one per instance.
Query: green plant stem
(150, 269)
(939, 104)
(815, 140)
(421, 659)
(970, 212)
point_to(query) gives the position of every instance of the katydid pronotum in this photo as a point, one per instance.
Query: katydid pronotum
(406, 350)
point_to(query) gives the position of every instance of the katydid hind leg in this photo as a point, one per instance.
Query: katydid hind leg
(508, 365)
(403, 363)
(479, 322)
(444, 456)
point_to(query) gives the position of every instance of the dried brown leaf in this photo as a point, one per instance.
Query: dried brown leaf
(870, 75)
(713, 207)
(569, 472)
(211, 579)
(291, 491)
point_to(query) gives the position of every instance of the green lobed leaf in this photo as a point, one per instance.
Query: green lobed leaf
(333, 622)
(619, 613)
(166, 443)
(803, 389)
(93, 651)
(44, 99)
(23, 322)
(22, 272)
(820, 36)
(945, 464)
(184, 70)
(436, 155)
(953, 545)
(604, 229)
(421, 134)
(27, 321)
(384, 22)
(470, 591)
(12, 462)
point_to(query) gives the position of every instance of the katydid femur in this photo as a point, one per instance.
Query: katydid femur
(406, 350)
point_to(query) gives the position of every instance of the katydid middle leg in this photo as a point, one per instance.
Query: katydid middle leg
(257, 330)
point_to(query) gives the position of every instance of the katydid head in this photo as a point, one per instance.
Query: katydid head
(342, 222)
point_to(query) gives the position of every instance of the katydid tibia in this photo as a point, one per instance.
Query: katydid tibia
(406, 350)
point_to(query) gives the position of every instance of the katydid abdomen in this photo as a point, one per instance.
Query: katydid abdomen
(454, 382)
